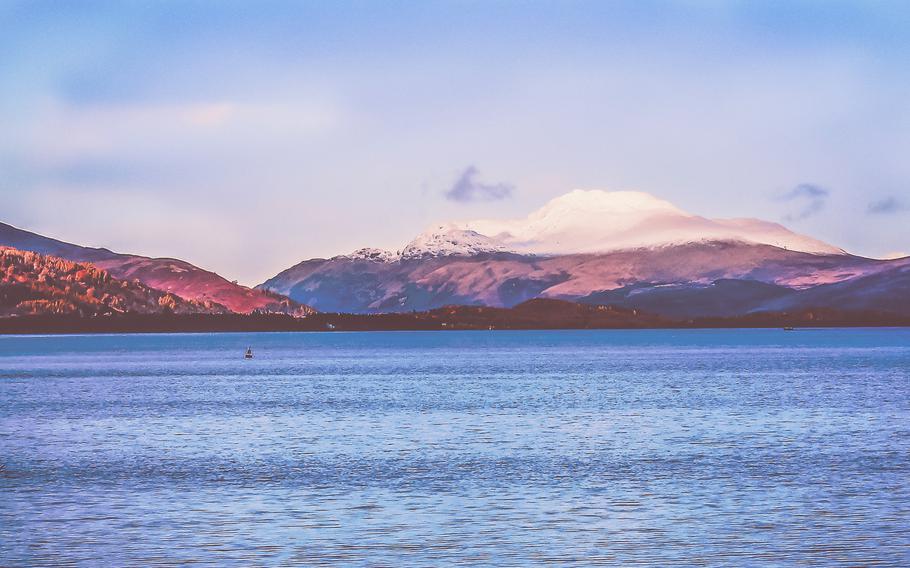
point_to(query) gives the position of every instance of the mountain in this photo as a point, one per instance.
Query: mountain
(595, 221)
(178, 277)
(885, 291)
(37, 284)
(693, 300)
(24, 240)
(627, 249)
(447, 241)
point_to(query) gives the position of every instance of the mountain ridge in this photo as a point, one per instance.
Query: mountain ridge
(576, 247)
(592, 222)
(505, 279)
(176, 276)
(668, 272)
(36, 284)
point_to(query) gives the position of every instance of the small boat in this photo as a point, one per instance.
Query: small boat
(249, 353)
(789, 328)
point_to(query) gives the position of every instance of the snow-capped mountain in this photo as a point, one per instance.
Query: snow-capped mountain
(368, 253)
(594, 221)
(450, 240)
(624, 248)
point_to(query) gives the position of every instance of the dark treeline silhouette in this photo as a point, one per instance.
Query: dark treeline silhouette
(534, 314)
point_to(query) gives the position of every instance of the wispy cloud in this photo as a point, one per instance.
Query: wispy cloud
(886, 206)
(468, 188)
(810, 197)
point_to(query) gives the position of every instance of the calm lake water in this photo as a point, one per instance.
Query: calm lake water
(697, 447)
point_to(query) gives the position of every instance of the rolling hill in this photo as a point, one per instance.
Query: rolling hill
(174, 276)
(37, 284)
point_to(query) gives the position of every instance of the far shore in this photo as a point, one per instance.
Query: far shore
(538, 317)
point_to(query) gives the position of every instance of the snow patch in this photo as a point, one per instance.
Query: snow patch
(448, 240)
(370, 254)
(595, 221)
(592, 222)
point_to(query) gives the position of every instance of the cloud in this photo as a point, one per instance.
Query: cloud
(468, 189)
(886, 206)
(812, 197)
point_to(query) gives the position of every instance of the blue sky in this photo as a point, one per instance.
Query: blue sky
(247, 136)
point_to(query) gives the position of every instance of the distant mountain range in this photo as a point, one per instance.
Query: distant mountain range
(176, 277)
(626, 249)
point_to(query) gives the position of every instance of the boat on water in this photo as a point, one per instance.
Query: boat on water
(789, 328)
(249, 353)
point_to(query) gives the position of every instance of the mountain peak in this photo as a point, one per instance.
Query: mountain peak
(450, 240)
(608, 202)
(370, 254)
(595, 221)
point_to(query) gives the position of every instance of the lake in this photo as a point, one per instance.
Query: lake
(621, 448)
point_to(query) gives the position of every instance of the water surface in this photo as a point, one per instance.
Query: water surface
(695, 447)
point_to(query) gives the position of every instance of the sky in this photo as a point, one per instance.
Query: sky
(245, 137)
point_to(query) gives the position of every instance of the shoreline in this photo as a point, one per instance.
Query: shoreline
(461, 319)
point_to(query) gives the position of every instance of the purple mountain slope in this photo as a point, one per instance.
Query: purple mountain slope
(648, 255)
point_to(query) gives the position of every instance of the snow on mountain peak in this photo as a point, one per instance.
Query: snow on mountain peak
(589, 222)
(606, 202)
(368, 253)
(597, 221)
(449, 240)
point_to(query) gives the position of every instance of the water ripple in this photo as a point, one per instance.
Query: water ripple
(651, 448)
